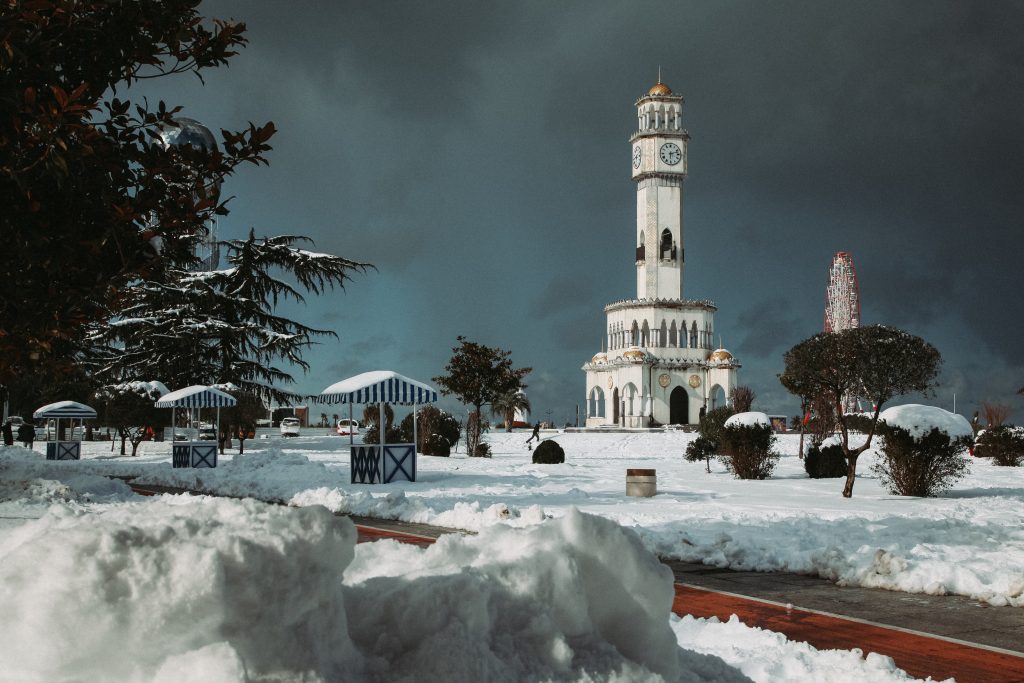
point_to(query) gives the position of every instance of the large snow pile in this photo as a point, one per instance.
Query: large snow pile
(751, 419)
(27, 479)
(920, 420)
(205, 589)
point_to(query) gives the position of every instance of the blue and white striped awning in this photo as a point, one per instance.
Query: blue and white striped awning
(196, 396)
(63, 409)
(378, 386)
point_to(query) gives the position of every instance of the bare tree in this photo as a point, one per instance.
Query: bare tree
(742, 399)
(994, 414)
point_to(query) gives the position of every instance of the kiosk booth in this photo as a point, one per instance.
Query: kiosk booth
(195, 453)
(381, 463)
(70, 448)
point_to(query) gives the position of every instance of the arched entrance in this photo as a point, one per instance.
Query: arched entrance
(678, 407)
(615, 405)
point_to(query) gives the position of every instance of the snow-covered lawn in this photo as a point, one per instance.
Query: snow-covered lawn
(84, 561)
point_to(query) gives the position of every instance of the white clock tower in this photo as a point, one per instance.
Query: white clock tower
(659, 367)
(659, 168)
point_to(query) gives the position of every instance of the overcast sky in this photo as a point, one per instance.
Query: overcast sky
(477, 154)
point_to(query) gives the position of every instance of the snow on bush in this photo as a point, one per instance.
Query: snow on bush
(752, 419)
(206, 589)
(919, 419)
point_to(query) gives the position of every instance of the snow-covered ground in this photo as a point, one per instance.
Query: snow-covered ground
(83, 560)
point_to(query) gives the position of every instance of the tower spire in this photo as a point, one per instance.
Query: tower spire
(659, 73)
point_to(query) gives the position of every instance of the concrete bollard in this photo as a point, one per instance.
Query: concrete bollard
(641, 483)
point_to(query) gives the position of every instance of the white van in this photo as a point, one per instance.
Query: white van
(290, 426)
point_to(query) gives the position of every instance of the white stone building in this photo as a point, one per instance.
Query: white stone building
(659, 367)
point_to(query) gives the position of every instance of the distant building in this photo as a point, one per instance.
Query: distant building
(660, 366)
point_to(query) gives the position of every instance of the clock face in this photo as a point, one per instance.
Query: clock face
(671, 154)
(664, 380)
(637, 155)
(694, 381)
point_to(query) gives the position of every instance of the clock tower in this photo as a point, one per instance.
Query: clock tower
(659, 168)
(658, 364)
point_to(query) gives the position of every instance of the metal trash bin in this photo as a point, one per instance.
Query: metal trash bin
(642, 483)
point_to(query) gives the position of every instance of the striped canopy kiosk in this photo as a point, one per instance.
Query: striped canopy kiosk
(65, 410)
(382, 463)
(196, 397)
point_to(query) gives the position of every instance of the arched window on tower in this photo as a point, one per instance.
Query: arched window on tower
(667, 249)
(640, 248)
(663, 335)
(645, 335)
(693, 337)
(673, 335)
(634, 336)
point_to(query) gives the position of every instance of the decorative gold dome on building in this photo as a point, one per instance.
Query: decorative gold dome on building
(719, 356)
(600, 357)
(659, 88)
(634, 354)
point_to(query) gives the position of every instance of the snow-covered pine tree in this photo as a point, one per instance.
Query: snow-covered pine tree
(221, 326)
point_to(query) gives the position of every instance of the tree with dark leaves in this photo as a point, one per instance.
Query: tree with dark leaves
(479, 375)
(89, 193)
(876, 362)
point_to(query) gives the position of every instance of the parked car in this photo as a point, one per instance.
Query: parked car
(207, 433)
(348, 427)
(290, 426)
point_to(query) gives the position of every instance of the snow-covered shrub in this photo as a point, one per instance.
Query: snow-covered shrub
(548, 453)
(920, 465)
(747, 442)
(825, 463)
(483, 450)
(1004, 444)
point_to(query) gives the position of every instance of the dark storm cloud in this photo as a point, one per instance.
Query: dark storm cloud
(477, 153)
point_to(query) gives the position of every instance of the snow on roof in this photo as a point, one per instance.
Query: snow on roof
(65, 409)
(196, 396)
(380, 385)
(921, 419)
(753, 419)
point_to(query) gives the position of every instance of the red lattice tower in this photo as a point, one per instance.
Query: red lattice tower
(842, 298)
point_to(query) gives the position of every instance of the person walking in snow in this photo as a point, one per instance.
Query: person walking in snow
(535, 435)
(26, 434)
(8, 433)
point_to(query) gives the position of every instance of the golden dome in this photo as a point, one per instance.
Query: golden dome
(719, 356)
(659, 88)
(634, 354)
(600, 357)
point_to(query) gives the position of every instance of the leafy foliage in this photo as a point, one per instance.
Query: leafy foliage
(506, 406)
(747, 451)
(371, 418)
(479, 375)
(548, 453)
(825, 463)
(239, 421)
(436, 431)
(924, 466)
(701, 448)
(876, 362)
(129, 409)
(86, 188)
(1004, 444)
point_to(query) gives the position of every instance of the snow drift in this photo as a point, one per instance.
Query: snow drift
(181, 588)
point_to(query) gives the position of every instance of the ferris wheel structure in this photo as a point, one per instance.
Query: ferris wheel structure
(842, 297)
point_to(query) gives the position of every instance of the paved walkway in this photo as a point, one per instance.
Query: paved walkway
(927, 635)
